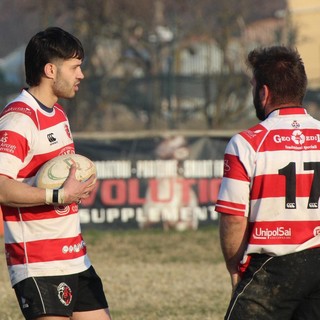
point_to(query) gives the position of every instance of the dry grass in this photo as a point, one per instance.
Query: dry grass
(151, 275)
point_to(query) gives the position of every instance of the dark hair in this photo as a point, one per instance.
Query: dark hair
(282, 70)
(47, 46)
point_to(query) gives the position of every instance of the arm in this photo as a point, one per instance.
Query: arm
(18, 194)
(233, 241)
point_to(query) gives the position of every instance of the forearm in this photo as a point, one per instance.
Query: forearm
(233, 240)
(17, 194)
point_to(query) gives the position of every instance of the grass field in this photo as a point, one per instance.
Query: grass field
(151, 275)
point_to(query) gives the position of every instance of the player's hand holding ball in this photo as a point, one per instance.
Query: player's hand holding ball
(75, 190)
(67, 179)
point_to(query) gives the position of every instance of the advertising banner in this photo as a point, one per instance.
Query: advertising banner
(153, 182)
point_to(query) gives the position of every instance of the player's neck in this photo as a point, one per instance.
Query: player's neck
(44, 95)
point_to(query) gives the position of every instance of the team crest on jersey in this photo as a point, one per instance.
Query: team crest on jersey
(295, 124)
(68, 132)
(64, 293)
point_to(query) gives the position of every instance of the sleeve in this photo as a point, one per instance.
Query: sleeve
(16, 140)
(234, 193)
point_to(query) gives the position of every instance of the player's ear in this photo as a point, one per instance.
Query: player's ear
(50, 70)
(264, 94)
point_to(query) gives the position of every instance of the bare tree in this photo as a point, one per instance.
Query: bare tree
(132, 52)
(224, 23)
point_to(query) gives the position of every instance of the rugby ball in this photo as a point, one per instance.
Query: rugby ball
(55, 171)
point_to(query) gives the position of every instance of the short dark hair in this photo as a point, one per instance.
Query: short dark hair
(282, 70)
(46, 46)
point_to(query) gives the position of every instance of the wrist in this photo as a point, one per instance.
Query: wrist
(55, 196)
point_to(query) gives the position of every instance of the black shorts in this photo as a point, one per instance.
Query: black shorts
(279, 288)
(60, 295)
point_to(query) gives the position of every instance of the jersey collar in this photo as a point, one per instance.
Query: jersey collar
(285, 111)
(41, 105)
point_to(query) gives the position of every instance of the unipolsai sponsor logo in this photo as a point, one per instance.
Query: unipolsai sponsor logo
(272, 233)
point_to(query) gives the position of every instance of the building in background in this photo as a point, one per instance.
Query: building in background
(305, 16)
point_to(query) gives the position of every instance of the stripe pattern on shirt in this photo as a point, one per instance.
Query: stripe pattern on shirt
(44, 240)
(272, 176)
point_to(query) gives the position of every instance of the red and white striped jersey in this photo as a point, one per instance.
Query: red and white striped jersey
(272, 176)
(43, 240)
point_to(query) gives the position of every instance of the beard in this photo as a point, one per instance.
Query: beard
(63, 88)
(260, 113)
